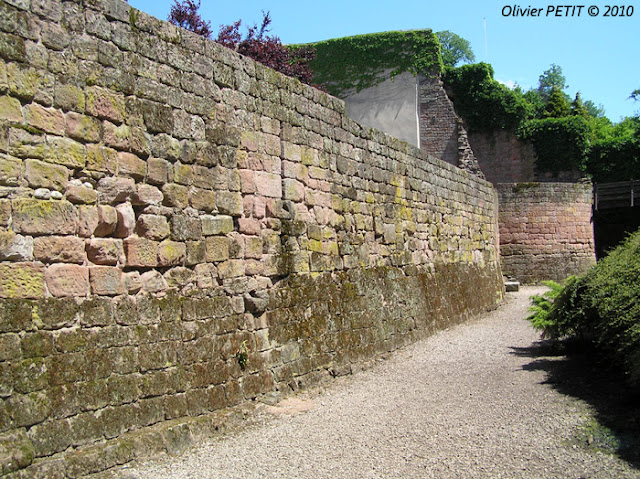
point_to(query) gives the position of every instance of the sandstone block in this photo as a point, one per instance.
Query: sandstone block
(118, 137)
(67, 96)
(82, 127)
(147, 195)
(45, 175)
(185, 228)
(10, 170)
(101, 158)
(126, 220)
(107, 220)
(67, 280)
(65, 151)
(206, 273)
(268, 184)
(105, 104)
(15, 247)
(59, 249)
(247, 181)
(249, 226)
(217, 248)
(153, 281)
(175, 195)
(80, 194)
(253, 247)
(87, 220)
(22, 280)
(105, 251)
(158, 171)
(202, 200)
(229, 203)
(10, 109)
(116, 190)
(179, 277)
(196, 252)
(216, 225)
(232, 268)
(5, 212)
(44, 217)
(106, 280)
(141, 252)
(154, 227)
(171, 253)
(49, 120)
(293, 190)
(132, 282)
(132, 166)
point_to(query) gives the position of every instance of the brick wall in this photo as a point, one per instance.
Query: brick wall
(545, 230)
(168, 207)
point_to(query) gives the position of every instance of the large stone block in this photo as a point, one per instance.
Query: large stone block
(49, 120)
(106, 280)
(41, 217)
(105, 104)
(67, 280)
(105, 251)
(15, 247)
(21, 280)
(40, 174)
(141, 252)
(59, 249)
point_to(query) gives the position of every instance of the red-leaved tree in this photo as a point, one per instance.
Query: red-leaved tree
(185, 14)
(256, 44)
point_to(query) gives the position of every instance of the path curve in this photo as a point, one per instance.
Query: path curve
(460, 404)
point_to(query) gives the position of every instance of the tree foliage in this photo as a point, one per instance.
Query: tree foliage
(185, 14)
(565, 135)
(484, 103)
(454, 49)
(602, 306)
(551, 79)
(256, 43)
(268, 49)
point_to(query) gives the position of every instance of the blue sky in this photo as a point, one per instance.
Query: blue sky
(598, 55)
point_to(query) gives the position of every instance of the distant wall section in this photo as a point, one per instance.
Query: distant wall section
(545, 230)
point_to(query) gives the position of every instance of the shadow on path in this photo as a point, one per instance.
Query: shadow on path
(578, 372)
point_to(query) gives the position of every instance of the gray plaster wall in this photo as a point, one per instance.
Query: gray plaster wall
(390, 106)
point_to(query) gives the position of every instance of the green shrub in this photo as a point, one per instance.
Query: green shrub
(602, 306)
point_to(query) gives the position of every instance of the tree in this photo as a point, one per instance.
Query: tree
(578, 108)
(454, 49)
(268, 50)
(263, 48)
(550, 79)
(557, 105)
(185, 14)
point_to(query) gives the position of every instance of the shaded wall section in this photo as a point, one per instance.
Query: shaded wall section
(545, 230)
(389, 106)
(182, 230)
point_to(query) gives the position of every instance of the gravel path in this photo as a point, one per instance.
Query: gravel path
(461, 404)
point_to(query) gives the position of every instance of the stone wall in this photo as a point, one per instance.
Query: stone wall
(545, 230)
(505, 159)
(182, 230)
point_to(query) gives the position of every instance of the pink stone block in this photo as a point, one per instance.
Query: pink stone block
(268, 184)
(67, 280)
(106, 280)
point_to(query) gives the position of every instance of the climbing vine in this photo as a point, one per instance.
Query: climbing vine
(356, 63)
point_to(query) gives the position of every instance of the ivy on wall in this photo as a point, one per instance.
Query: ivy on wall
(349, 64)
(484, 103)
(560, 144)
